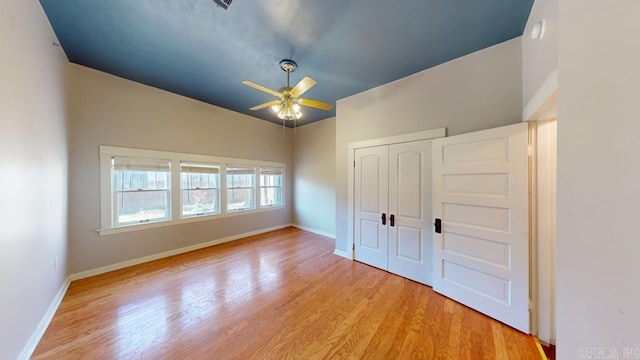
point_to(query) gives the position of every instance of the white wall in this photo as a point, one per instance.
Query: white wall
(314, 176)
(539, 57)
(598, 249)
(478, 91)
(33, 159)
(107, 110)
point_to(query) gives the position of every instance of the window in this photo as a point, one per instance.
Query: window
(240, 188)
(199, 189)
(140, 190)
(271, 186)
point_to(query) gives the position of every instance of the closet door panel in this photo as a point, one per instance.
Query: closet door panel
(410, 238)
(371, 202)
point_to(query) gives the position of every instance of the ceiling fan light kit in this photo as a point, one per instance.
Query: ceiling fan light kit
(289, 111)
(288, 107)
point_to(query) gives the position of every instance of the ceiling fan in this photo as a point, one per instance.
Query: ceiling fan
(287, 107)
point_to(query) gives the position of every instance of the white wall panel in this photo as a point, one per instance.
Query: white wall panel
(33, 185)
(598, 175)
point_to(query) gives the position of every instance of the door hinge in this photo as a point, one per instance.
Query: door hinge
(531, 306)
(530, 150)
(354, 164)
(353, 247)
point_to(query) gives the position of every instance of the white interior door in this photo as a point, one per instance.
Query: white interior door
(480, 193)
(371, 201)
(410, 236)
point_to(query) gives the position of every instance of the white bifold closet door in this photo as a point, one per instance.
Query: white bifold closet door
(393, 209)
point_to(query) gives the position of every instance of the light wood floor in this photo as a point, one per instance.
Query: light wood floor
(279, 295)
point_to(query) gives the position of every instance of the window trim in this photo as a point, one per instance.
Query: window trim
(107, 152)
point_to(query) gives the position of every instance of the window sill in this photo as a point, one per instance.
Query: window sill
(187, 220)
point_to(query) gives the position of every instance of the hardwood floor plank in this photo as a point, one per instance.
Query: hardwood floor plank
(499, 346)
(381, 344)
(412, 347)
(454, 339)
(279, 295)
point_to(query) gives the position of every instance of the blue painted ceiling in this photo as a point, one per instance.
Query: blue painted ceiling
(197, 49)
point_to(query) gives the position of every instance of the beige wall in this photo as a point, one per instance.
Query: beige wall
(107, 110)
(314, 176)
(478, 91)
(33, 159)
(598, 251)
(539, 57)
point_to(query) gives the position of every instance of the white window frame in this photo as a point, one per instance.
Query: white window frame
(115, 192)
(200, 165)
(253, 188)
(107, 225)
(260, 187)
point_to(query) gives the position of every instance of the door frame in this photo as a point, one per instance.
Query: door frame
(541, 112)
(389, 140)
(543, 231)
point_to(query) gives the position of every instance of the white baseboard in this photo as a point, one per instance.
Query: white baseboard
(344, 254)
(124, 264)
(35, 338)
(315, 231)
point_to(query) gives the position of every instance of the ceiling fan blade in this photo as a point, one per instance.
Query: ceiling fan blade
(266, 105)
(261, 88)
(315, 104)
(305, 84)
